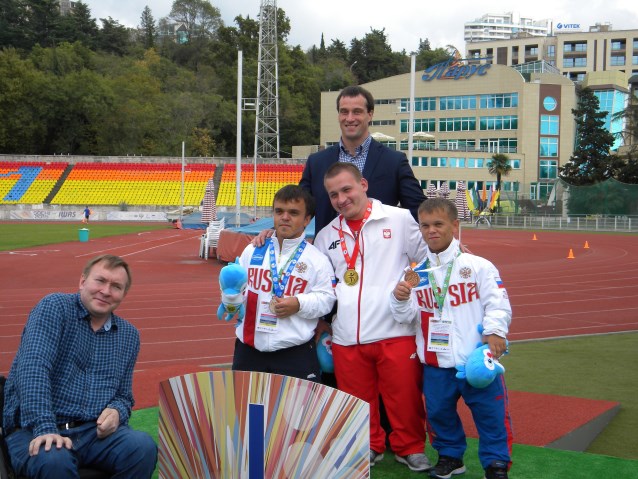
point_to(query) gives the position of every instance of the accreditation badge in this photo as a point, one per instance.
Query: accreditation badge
(439, 336)
(268, 321)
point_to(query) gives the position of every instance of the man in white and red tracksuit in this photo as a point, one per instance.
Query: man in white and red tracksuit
(457, 292)
(369, 245)
(289, 289)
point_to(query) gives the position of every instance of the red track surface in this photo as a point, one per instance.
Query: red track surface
(175, 294)
(554, 296)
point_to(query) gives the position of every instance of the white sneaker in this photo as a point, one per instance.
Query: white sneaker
(416, 462)
(375, 457)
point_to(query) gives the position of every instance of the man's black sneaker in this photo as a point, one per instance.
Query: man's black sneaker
(447, 467)
(496, 470)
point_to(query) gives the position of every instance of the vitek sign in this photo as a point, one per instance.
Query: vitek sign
(567, 26)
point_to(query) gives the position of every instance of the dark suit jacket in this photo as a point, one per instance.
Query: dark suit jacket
(389, 175)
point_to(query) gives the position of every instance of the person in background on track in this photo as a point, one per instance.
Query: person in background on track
(87, 215)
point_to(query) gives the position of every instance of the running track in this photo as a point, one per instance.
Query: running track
(175, 294)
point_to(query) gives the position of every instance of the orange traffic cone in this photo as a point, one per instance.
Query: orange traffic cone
(534, 238)
(586, 245)
(571, 254)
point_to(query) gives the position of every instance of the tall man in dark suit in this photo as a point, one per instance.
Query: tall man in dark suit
(388, 173)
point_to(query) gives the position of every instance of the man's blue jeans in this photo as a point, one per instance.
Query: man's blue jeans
(125, 454)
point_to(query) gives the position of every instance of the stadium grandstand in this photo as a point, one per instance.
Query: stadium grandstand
(133, 184)
(122, 184)
(270, 178)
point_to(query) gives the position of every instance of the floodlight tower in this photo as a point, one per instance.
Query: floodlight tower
(267, 117)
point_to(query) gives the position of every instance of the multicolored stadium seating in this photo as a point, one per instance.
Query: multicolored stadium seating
(28, 183)
(111, 184)
(270, 178)
(134, 184)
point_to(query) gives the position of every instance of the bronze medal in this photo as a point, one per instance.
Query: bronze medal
(351, 277)
(272, 304)
(412, 277)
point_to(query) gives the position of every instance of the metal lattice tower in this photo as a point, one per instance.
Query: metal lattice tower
(267, 117)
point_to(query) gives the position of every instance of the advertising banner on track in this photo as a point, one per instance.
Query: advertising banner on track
(69, 215)
(136, 216)
(50, 215)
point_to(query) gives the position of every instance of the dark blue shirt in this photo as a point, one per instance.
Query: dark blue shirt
(64, 371)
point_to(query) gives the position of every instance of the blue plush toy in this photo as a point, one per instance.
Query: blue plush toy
(324, 353)
(481, 367)
(233, 280)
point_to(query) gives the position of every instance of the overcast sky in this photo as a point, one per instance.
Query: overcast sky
(405, 21)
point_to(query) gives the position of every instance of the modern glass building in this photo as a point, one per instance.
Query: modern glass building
(612, 98)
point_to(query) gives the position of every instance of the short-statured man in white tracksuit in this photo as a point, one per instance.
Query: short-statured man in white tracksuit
(369, 245)
(289, 289)
(452, 295)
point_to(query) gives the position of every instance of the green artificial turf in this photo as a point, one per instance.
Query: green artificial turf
(25, 235)
(601, 367)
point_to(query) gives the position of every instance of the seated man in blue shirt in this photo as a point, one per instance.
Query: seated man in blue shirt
(68, 396)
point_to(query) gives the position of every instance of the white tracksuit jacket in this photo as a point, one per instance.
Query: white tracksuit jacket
(310, 281)
(389, 241)
(476, 295)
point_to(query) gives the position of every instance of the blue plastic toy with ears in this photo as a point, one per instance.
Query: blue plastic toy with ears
(481, 367)
(233, 280)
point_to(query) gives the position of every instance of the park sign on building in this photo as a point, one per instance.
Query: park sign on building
(455, 69)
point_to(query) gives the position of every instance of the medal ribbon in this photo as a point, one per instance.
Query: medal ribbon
(352, 261)
(440, 296)
(279, 280)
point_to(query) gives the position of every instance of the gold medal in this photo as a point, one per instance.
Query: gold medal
(351, 277)
(272, 304)
(412, 277)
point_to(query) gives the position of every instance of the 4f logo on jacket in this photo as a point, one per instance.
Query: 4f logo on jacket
(334, 245)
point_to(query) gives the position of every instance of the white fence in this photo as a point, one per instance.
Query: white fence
(625, 224)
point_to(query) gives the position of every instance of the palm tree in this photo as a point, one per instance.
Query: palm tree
(499, 165)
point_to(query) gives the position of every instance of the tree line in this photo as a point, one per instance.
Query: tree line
(69, 85)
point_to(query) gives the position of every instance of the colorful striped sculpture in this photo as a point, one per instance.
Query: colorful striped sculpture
(222, 424)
